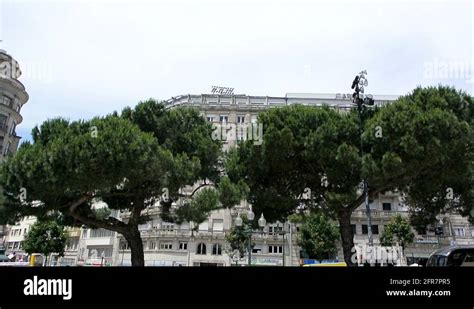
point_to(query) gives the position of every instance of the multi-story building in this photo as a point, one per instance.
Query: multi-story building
(170, 244)
(12, 98)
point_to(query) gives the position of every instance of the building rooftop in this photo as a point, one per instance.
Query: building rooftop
(341, 100)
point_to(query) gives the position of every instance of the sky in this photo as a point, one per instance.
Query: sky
(83, 58)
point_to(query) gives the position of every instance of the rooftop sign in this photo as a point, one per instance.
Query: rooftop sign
(222, 90)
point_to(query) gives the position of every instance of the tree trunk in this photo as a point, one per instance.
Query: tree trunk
(347, 236)
(134, 240)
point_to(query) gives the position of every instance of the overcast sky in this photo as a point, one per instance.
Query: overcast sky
(87, 58)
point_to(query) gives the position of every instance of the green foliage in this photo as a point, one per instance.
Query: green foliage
(182, 131)
(238, 238)
(199, 208)
(45, 237)
(318, 236)
(67, 162)
(301, 145)
(397, 231)
(425, 149)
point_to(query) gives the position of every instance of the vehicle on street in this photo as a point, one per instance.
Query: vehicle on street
(452, 256)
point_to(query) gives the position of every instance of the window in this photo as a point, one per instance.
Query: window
(3, 121)
(166, 246)
(274, 229)
(275, 249)
(6, 100)
(99, 233)
(224, 118)
(204, 226)
(241, 132)
(7, 149)
(257, 249)
(183, 246)
(18, 107)
(216, 249)
(459, 231)
(24, 231)
(152, 245)
(201, 249)
(210, 118)
(169, 227)
(84, 233)
(10, 245)
(354, 229)
(468, 259)
(387, 206)
(12, 129)
(72, 244)
(240, 119)
(217, 225)
(365, 229)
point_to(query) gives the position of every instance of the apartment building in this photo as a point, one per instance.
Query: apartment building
(13, 96)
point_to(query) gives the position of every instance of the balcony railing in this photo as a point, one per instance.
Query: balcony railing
(375, 213)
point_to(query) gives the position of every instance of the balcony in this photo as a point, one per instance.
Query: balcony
(379, 213)
(181, 233)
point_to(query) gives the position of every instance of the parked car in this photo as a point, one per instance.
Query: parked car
(457, 255)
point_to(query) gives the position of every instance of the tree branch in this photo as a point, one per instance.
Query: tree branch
(109, 224)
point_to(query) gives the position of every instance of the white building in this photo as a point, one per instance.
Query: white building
(12, 98)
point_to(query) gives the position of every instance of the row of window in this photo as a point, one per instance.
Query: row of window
(365, 229)
(14, 245)
(217, 226)
(225, 118)
(458, 231)
(18, 232)
(201, 248)
(97, 233)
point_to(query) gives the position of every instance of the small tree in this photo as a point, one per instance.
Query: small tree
(318, 236)
(45, 237)
(397, 231)
(238, 239)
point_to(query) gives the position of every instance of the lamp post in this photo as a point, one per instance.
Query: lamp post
(249, 231)
(361, 100)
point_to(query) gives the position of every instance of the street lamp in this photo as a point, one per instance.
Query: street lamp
(262, 222)
(360, 81)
